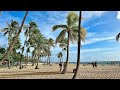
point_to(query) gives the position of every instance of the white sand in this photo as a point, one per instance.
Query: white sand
(52, 72)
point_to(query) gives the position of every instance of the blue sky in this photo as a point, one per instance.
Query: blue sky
(102, 27)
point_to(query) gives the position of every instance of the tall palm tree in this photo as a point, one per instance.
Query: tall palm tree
(40, 41)
(79, 44)
(11, 30)
(50, 43)
(70, 30)
(15, 39)
(81, 37)
(30, 31)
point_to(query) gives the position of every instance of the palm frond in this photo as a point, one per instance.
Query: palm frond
(71, 36)
(59, 26)
(33, 24)
(61, 36)
(72, 18)
(117, 37)
(5, 33)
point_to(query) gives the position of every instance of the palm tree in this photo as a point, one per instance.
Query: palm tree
(50, 43)
(79, 44)
(70, 29)
(30, 31)
(11, 30)
(15, 39)
(40, 41)
(81, 36)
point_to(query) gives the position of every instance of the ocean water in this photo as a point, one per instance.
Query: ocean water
(100, 62)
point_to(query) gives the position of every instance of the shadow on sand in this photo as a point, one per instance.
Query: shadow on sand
(34, 73)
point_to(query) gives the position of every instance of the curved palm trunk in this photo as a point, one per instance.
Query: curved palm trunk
(15, 40)
(9, 64)
(65, 67)
(11, 53)
(20, 64)
(33, 60)
(79, 44)
(22, 54)
(38, 58)
(26, 60)
(49, 59)
(60, 59)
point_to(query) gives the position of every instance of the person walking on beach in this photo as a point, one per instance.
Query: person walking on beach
(95, 64)
(92, 64)
(60, 65)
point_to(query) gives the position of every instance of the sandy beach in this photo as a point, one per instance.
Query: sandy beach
(52, 72)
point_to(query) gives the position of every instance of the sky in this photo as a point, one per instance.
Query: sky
(102, 28)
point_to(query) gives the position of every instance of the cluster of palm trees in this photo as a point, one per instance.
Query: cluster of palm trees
(34, 40)
(71, 32)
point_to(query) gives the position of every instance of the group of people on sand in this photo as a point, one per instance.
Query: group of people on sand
(94, 64)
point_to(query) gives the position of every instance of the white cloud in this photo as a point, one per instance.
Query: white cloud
(89, 14)
(95, 49)
(94, 40)
(118, 15)
(90, 34)
(96, 24)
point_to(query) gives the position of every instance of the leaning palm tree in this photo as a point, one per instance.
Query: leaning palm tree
(70, 30)
(15, 39)
(10, 31)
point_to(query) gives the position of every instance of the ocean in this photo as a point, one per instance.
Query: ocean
(100, 62)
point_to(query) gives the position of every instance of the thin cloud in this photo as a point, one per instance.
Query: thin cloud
(90, 14)
(95, 49)
(94, 40)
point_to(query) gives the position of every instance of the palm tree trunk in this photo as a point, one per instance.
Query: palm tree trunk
(79, 44)
(20, 64)
(33, 60)
(49, 59)
(60, 59)
(38, 58)
(65, 67)
(8, 63)
(15, 39)
(27, 59)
